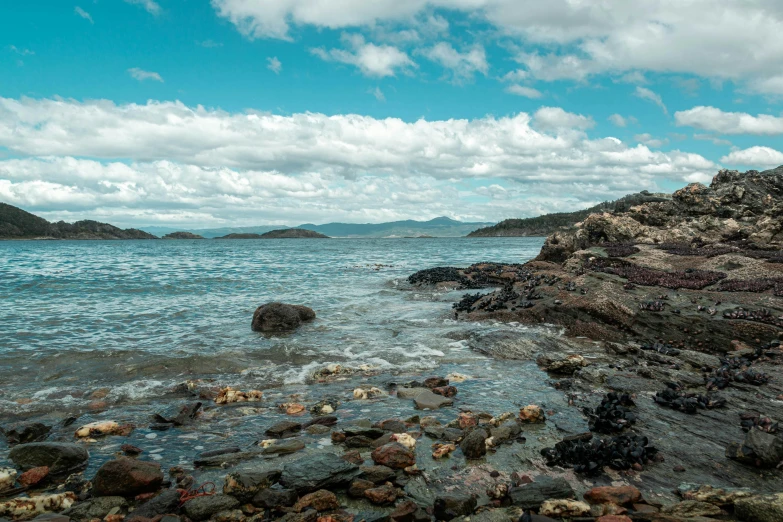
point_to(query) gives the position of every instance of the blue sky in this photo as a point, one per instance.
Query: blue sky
(198, 113)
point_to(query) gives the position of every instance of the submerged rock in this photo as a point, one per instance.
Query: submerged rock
(394, 455)
(321, 471)
(24, 432)
(426, 400)
(59, 457)
(280, 317)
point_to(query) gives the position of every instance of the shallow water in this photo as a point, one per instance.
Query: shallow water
(139, 316)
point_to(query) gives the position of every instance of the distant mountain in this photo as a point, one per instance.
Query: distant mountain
(548, 223)
(438, 227)
(182, 235)
(16, 223)
(285, 233)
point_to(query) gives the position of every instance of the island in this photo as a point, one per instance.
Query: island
(182, 235)
(285, 233)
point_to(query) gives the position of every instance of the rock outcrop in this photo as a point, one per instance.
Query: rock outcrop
(279, 317)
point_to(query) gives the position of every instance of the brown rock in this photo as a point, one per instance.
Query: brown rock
(446, 391)
(394, 455)
(320, 500)
(532, 414)
(279, 317)
(613, 518)
(613, 495)
(126, 477)
(359, 486)
(33, 476)
(436, 382)
(381, 495)
(354, 457)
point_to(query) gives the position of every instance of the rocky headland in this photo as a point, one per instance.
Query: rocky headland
(285, 233)
(656, 383)
(182, 235)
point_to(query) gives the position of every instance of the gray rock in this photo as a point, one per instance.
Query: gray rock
(427, 400)
(279, 317)
(275, 498)
(97, 507)
(474, 445)
(165, 503)
(284, 429)
(531, 496)
(453, 506)
(226, 459)
(363, 431)
(60, 457)
(767, 508)
(410, 393)
(24, 432)
(46, 517)
(768, 448)
(377, 474)
(321, 471)
(284, 447)
(178, 415)
(244, 485)
(127, 478)
(202, 508)
(699, 359)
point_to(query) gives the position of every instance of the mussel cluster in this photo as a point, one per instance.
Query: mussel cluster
(466, 303)
(570, 286)
(432, 276)
(612, 415)
(619, 249)
(761, 316)
(589, 455)
(749, 421)
(663, 348)
(735, 369)
(652, 306)
(684, 249)
(677, 399)
(688, 278)
(761, 284)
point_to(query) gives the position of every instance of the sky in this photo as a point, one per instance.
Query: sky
(199, 113)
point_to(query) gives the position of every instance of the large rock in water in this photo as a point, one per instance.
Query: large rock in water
(59, 457)
(318, 472)
(127, 478)
(280, 317)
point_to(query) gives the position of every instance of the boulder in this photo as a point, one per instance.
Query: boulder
(178, 415)
(320, 500)
(385, 494)
(531, 496)
(165, 503)
(321, 471)
(97, 507)
(279, 317)
(244, 485)
(474, 445)
(426, 400)
(453, 506)
(202, 508)
(764, 508)
(275, 498)
(376, 474)
(126, 477)
(767, 447)
(59, 457)
(24, 432)
(394, 455)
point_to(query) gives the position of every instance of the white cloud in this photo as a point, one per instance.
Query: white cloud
(715, 120)
(378, 93)
(141, 75)
(618, 120)
(755, 157)
(371, 59)
(646, 94)
(84, 14)
(274, 65)
(698, 37)
(521, 90)
(150, 6)
(180, 161)
(647, 139)
(714, 139)
(21, 52)
(461, 65)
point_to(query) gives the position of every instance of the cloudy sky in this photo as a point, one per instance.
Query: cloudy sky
(239, 112)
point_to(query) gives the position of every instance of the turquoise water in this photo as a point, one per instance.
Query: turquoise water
(139, 316)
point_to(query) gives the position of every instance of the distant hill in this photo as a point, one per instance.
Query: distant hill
(182, 235)
(16, 223)
(438, 227)
(293, 233)
(548, 223)
(240, 236)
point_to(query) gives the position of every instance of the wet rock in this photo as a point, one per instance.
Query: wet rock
(767, 448)
(531, 496)
(565, 366)
(31, 477)
(363, 431)
(291, 408)
(203, 508)
(474, 445)
(321, 471)
(97, 507)
(24, 432)
(320, 500)
(358, 442)
(132, 451)
(275, 498)
(532, 414)
(368, 393)
(410, 393)
(284, 429)
(763, 508)
(7, 478)
(325, 407)
(377, 474)
(404, 439)
(47, 517)
(308, 516)
(229, 515)
(166, 502)
(613, 518)
(381, 495)
(104, 428)
(394, 455)
(449, 507)
(281, 447)
(564, 508)
(23, 508)
(318, 429)
(229, 395)
(279, 317)
(427, 400)
(409, 511)
(393, 425)
(359, 486)
(179, 415)
(435, 382)
(620, 495)
(692, 508)
(442, 450)
(713, 495)
(244, 485)
(126, 477)
(59, 457)
(465, 420)
(354, 457)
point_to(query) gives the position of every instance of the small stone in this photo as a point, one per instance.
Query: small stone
(620, 495)
(131, 450)
(367, 393)
(450, 507)
(435, 382)
(474, 446)
(275, 498)
(442, 450)
(291, 408)
(104, 428)
(320, 500)
(532, 414)
(394, 455)
(564, 508)
(203, 508)
(381, 495)
(359, 486)
(679, 469)
(427, 400)
(284, 429)
(404, 439)
(692, 508)
(33, 476)
(127, 478)
(376, 474)
(354, 457)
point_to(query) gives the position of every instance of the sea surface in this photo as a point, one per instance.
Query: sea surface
(140, 316)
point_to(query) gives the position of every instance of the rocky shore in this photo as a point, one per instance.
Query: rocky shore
(659, 403)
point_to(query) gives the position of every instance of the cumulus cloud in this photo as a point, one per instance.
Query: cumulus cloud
(755, 157)
(646, 94)
(373, 60)
(647, 139)
(141, 75)
(274, 65)
(521, 90)
(715, 120)
(185, 161)
(698, 37)
(84, 14)
(150, 6)
(462, 65)
(618, 120)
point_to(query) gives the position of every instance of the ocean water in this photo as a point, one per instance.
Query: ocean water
(140, 316)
